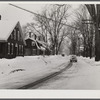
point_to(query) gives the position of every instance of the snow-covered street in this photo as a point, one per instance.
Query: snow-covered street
(83, 75)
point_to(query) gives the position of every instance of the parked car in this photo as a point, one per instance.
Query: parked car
(63, 55)
(73, 58)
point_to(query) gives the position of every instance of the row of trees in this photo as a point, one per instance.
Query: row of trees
(84, 35)
(89, 27)
(94, 10)
(51, 24)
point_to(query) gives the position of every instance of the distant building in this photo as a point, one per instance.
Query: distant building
(11, 39)
(31, 47)
(35, 45)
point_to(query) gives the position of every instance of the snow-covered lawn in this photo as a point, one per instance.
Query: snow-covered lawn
(17, 72)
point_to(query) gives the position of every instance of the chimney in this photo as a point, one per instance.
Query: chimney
(30, 33)
(0, 17)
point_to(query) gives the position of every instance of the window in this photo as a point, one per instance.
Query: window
(22, 49)
(8, 48)
(14, 34)
(19, 49)
(16, 48)
(18, 36)
(12, 48)
(33, 43)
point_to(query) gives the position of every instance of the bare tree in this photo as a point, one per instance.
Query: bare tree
(50, 23)
(85, 27)
(74, 37)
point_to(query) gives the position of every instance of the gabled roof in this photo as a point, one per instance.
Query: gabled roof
(6, 28)
(30, 38)
(40, 42)
(45, 45)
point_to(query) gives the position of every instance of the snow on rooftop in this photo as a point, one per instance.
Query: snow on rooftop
(29, 38)
(44, 44)
(6, 27)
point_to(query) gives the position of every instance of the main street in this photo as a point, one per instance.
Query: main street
(80, 76)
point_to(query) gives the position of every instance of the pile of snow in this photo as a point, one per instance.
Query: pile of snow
(91, 61)
(88, 60)
(23, 70)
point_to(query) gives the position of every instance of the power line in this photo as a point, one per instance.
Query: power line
(40, 15)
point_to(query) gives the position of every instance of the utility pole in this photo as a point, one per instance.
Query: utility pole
(94, 11)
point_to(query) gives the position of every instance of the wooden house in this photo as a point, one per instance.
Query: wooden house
(34, 45)
(11, 39)
(31, 47)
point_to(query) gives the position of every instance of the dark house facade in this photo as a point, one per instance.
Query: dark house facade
(31, 47)
(35, 45)
(11, 39)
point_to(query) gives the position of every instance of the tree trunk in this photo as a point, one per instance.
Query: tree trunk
(97, 43)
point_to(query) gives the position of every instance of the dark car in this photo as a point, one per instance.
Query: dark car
(73, 58)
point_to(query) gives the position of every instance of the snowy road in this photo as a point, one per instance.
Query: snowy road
(81, 76)
(18, 72)
(43, 80)
(58, 82)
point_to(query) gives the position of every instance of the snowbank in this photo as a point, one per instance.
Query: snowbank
(23, 70)
(92, 61)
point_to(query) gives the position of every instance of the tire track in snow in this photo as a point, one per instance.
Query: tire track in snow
(40, 81)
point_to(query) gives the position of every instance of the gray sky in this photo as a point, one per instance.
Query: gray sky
(9, 12)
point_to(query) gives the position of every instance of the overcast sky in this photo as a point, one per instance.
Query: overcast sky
(9, 12)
